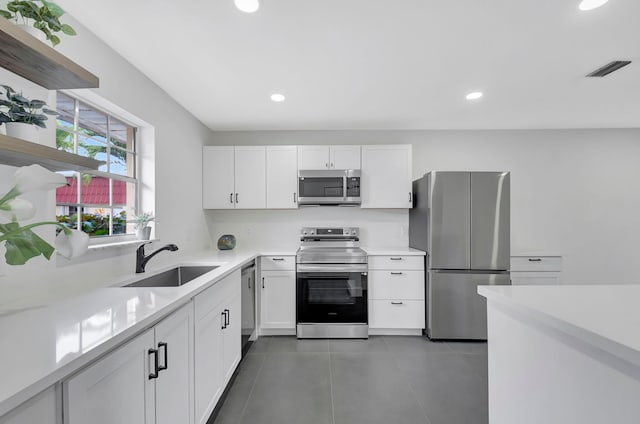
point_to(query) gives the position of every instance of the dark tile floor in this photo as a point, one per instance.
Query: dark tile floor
(386, 380)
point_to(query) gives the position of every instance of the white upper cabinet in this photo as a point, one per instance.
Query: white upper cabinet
(386, 176)
(344, 157)
(282, 177)
(217, 177)
(233, 177)
(250, 175)
(328, 157)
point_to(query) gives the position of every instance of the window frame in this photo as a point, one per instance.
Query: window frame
(135, 163)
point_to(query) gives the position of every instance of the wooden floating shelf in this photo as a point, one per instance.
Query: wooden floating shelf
(25, 55)
(17, 152)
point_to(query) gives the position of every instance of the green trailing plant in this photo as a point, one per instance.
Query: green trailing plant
(142, 220)
(41, 14)
(15, 107)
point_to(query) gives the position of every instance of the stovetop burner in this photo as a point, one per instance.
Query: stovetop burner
(330, 246)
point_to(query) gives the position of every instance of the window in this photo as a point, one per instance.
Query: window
(97, 201)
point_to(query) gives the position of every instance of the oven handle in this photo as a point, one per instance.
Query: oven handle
(332, 268)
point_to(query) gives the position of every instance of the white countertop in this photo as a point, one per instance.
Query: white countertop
(42, 345)
(404, 251)
(606, 316)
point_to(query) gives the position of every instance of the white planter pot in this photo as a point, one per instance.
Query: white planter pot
(22, 131)
(143, 233)
(33, 31)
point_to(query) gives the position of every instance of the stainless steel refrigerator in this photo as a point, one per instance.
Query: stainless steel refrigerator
(462, 220)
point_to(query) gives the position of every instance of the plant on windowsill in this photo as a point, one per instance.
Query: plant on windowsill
(22, 115)
(143, 231)
(23, 244)
(40, 21)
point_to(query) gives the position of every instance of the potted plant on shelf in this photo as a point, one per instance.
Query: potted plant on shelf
(22, 115)
(143, 231)
(40, 18)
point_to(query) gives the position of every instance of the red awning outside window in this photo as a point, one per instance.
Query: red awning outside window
(95, 193)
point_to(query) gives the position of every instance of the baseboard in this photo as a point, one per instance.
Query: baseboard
(277, 331)
(395, 332)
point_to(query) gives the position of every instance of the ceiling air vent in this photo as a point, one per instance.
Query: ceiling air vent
(609, 67)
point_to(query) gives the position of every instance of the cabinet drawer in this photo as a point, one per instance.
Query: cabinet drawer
(544, 278)
(536, 263)
(396, 314)
(277, 263)
(396, 285)
(396, 262)
(207, 301)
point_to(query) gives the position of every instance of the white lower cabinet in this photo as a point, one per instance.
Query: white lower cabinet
(396, 292)
(148, 380)
(217, 342)
(535, 270)
(41, 409)
(277, 293)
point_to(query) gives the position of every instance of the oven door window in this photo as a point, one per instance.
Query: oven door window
(332, 298)
(321, 187)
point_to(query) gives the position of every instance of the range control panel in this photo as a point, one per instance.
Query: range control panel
(329, 232)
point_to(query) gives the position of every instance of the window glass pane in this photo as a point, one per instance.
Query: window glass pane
(121, 162)
(65, 106)
(68, 195)
(67, 215)
(119, 221)
(94, 190)
(64, 140)
(95, 221)
(92, 122)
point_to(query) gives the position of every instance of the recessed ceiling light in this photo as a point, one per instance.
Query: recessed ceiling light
(474, 95)
(591, 4)
(247, 6)
(277, 97)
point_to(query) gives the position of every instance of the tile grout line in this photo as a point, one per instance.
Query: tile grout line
(413, 392)
(253, 386)
(333, 409)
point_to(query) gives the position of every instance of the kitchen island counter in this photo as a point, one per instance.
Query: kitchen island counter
(563, 353)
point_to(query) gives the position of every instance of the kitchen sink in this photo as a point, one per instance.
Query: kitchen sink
(174, 277)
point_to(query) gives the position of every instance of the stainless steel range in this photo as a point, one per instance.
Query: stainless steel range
(331, 288)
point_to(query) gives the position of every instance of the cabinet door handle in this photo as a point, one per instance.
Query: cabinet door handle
(277, 259)
(397, 303)
(227, 320)
(396, 273)
(154, 353)
(294, 197)
(332, 164)
(223, 320)
(410, 197)
(326, 165)
(249, 279)
(231, 198)
(163, 345)
(236, 197)
(262, 282)
(395, 259)
(535, 260)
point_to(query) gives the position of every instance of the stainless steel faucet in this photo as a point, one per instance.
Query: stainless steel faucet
(141, 259)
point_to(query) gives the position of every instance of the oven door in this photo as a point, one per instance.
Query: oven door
(331, 294)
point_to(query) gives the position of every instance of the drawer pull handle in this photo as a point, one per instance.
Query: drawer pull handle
(277, 259)
(166, 363)
(397, 303)
(535, 260)
(396, 273)
(395, 259)
(154, 353)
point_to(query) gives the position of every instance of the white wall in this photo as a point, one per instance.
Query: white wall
(178, 140)
(573, 192)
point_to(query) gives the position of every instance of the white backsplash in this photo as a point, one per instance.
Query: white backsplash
(273, 229)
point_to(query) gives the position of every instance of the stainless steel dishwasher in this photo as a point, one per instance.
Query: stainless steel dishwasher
(248, 306)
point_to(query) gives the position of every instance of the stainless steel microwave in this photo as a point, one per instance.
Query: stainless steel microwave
(339, 187)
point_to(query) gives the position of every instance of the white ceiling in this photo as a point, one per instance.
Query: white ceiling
(382, 64)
